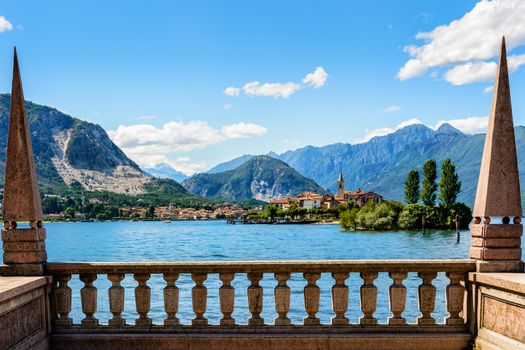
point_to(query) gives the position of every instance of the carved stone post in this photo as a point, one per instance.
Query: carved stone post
(282, 299)
(312, 293)
(142, 299)
(398, 297)
(24, 249)
(427, 298)
(171, 299)
(116, 300)
(227, 299)
(199, 295)
(368, 298)
(88, 296)
(63, 301)
(340, 298)
(496, 230)
(255, 299)
(455, 298)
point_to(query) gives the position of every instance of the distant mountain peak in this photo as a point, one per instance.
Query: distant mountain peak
(165, 171)
(446, 128)
(261, 177)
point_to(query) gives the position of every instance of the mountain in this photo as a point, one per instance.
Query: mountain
(382, 164)
(231, 164)
(261, 177)
(165, 171)
(70, 152)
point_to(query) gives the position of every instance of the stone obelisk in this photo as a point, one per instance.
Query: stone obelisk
(24, 248)
(496, 230)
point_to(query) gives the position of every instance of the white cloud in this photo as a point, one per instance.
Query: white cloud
(232, 91)
(469, 125)
(488, 89)
(5, 25)
(242, 130)
(480, 71)
(385, 131)
(149, 145)
(413, 68)
(275, 90)
(392, 109)
(228, 106)
(186, 166)
(316, 79)
(467, 43)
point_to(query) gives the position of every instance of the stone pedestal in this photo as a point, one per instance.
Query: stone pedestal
(497, 247)
(24, 251)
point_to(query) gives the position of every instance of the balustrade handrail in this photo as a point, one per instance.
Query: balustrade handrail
(263, 266)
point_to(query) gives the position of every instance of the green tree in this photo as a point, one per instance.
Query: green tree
(70, 212)
(150, 213)
(412, 187)
(449, 186)
(429, 185)
(271, 211)
(347, 218)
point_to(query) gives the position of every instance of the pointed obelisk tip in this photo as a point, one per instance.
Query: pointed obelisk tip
(498, 192)
(21, 192)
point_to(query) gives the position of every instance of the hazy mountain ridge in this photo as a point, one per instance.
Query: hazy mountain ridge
(165, 171)
(261, 177)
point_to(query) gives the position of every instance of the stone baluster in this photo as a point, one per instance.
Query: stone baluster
(63, 301)
(142, 299)
(455, 296)
(398, 298)
(255, 299)
(88, 296)
(427, 298)
(368, 298)
(171, 299)
(227, 299)
(312, 292)
(340, 298)
(199, 295)
(282, 299)
(116, 300)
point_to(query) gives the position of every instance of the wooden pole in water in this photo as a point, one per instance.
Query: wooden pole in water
(423, 220)
(457, 228)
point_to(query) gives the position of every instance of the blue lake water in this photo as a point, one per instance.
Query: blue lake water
(216, 240)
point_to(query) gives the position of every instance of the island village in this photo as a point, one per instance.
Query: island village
(235, 212)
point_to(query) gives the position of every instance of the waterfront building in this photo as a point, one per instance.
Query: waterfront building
(360, 196)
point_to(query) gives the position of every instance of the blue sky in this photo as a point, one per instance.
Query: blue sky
(154, 73)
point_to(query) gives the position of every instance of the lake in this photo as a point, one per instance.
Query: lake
(216, 240)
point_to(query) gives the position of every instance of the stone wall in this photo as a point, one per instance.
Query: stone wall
(24, 313)
(500, 310)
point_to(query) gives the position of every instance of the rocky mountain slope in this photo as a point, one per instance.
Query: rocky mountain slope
(72, 152)
(261, 177)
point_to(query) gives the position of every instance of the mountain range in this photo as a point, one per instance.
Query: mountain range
(70, 152)
(260, 177)
(382, 164)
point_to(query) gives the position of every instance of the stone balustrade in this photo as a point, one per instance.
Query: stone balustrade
(427, 270)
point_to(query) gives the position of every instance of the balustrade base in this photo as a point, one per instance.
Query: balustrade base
(500, 266)
(260, 340)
